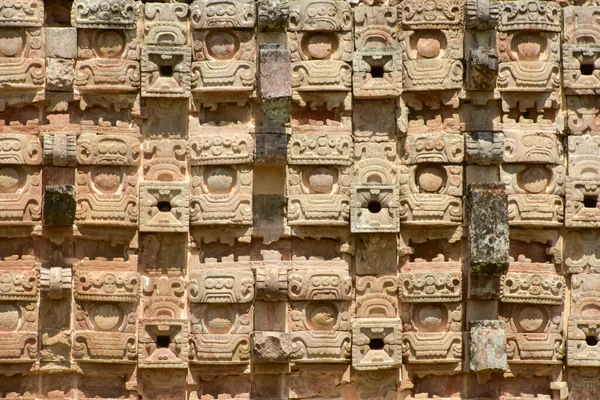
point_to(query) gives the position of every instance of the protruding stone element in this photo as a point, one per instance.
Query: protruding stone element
(273, 14)
(22, 13)
(59, 205)
(484, 148)
(376, 343)
(60, 150)
(164, 207)
(488, 228)
(119, 14)
(275, 81)
(56, 277)
(374, 208)
(482, 15)
(487, 347)
(482, 68)
(60, 74)
(272, 347)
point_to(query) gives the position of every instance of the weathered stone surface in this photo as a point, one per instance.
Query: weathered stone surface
(273, 347)
(265, 199)
(61, 42)
(487, 346)
(488, 229)
(59, 205)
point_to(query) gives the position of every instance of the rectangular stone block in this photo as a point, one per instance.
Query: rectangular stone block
(487, 346)
(488, 228)
(59, 205)
(271, 149)
(61, 42)
(275, 71)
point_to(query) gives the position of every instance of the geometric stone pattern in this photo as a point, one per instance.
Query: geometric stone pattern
(299, 199)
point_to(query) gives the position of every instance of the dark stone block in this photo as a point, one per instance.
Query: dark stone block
(268, 209)
(271, 149)
(59, 205)
(488, 228)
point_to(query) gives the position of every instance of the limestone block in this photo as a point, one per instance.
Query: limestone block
(376, 254)
(374, 121)
(107, 150)
(582, 253)
(22, 67)
(376, 343)
(106, 195)
(89, 14)
(221, 195)
(241, 14)
(432, 148)
(484, 148)
(221, 148)
(275, 72)
(271, 149)
(166, 24)
(217, 72)
(56, 277)
(315, 279)
(60, 74)
(273, 14)
(376, 297)
(488, 228)
(19, 14)
(272, 278)
(61, 42)
(429, 194)
(59, 205)
(332, 149)
(318, 195)
(273, 347)
(482, 14)
(166, 71)
(60, 150)
(164, 206)
(374, 208)
(163, 343)
(533, 332)
(487, 346)
(221, 282)
(377, 73)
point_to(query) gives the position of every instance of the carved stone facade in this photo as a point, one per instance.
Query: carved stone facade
(299, 199)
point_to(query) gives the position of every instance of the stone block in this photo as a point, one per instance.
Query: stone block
(61, 42)
(487, 346)
(374, 208)
(275, 71)
(275, 80)
(59, 205)
(272, 347)
(271, 149)
(164, 207)
(484, 148)
(488, 228)
(60, 150)
(60, 74)
(376, 343)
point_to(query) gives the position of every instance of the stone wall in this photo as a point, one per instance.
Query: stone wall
(299, 199)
